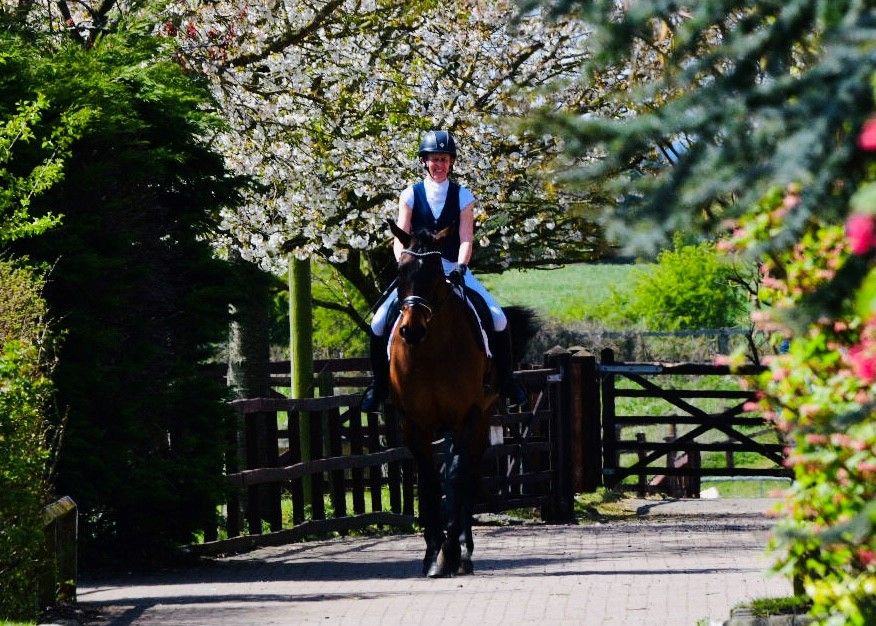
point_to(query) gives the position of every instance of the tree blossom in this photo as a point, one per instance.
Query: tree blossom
(325, 102)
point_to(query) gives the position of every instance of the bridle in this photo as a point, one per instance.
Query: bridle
(411, 302)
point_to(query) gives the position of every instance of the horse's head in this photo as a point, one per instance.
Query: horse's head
(421, 283)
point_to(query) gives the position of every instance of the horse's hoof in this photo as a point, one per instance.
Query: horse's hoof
(465, 567)
(442, 567)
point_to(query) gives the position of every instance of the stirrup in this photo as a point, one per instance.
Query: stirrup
(371, 399)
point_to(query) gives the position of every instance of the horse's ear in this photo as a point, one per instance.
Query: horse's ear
(401, 235)
(441, 234)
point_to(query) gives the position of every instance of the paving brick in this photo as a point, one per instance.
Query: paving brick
(655, 571)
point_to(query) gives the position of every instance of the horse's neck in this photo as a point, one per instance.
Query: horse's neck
(451, 329)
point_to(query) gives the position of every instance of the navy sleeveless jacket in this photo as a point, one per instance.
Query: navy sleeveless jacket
(423, 218)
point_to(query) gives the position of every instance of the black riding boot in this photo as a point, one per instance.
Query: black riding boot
(508, 387)
(378, 390)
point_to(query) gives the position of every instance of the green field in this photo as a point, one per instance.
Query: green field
(568, 293)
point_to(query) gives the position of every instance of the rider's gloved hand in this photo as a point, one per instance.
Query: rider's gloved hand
(457, 274)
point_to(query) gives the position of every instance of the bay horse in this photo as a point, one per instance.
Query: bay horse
(445, 387)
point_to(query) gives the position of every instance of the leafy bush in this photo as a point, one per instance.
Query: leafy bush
(820, 391)
(690, 287)
(24, 454)
(135, 285)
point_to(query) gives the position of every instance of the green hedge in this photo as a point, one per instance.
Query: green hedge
(24, 453)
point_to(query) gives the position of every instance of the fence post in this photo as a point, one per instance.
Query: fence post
(723, 341)
(234, 458)
(61, 527)
(585, 391)
(609, 436)
(642, 485)
(561, 507)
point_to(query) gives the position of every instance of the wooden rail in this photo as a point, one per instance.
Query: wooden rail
(682, 454)
(358, 461)
(570, 440)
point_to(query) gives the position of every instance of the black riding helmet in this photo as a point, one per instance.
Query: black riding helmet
(437, 141)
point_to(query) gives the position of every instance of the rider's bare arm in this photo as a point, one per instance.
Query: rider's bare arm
(405, 215)
(466, 233)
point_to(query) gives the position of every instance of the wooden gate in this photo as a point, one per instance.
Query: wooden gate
(306, 466)
(690, 431)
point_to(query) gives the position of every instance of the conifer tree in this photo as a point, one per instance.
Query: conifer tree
(726, 99)
(755, 120)
(135, 288)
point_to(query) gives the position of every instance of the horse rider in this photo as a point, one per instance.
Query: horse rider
(435, 203)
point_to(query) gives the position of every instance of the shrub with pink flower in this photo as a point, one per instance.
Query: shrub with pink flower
(861, 233)
(821, 392)
(862, 356)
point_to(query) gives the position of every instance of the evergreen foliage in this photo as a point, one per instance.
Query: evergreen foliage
(728, 98)
(138, 293)
(757, 119)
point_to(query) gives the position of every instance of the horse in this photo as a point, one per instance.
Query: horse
(445, 388)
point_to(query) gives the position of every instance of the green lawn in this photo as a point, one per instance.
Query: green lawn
(567, 293)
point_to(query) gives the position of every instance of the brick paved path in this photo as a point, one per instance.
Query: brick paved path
(650, 572)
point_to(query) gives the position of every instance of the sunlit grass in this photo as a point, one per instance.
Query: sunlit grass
(568, 293)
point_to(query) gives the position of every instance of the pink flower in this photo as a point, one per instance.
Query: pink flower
(863, 361)
(867, 138)
(861, 232)
(780, 373)
(866, 556)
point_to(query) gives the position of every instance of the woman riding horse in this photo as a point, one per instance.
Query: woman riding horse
(445, 387)
(436, 203)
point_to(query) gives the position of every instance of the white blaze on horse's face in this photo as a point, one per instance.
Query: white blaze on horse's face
(439, 166)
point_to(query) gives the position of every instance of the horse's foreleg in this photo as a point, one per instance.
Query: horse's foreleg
(466, 540)
(430, 505)
(476, 436)
(459, 493)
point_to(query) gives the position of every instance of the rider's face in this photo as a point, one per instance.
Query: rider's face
(438, 166)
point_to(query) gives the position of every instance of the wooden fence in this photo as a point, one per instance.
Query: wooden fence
(679, 457)
(305, 466)
(334, 468)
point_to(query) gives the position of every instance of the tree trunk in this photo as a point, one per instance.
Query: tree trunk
(301, 348)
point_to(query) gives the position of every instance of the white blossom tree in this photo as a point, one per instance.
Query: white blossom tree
(325, 102)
